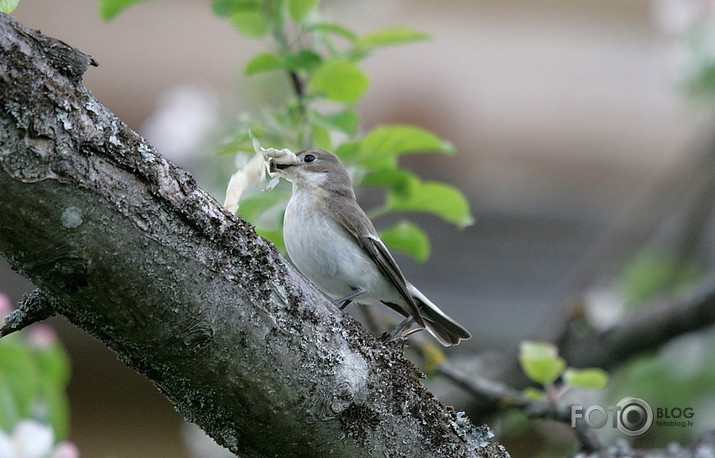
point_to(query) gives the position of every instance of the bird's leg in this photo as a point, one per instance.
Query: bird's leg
(344, 301)
(402, 330)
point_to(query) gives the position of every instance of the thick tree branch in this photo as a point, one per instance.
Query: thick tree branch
(127, 247)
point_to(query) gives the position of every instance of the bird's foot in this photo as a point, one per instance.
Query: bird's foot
(344, 301)
(402, 331)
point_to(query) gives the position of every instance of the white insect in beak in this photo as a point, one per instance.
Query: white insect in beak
(254, 170)
(279, 159)
(250, 172)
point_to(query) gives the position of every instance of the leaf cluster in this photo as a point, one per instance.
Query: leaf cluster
(32, 383)
(541, 362)
(321, 61)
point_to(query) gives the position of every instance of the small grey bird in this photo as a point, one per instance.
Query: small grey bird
(332, 242)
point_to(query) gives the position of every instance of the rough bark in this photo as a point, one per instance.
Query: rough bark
(126, 246)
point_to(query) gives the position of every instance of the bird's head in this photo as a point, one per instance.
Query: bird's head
(314, 167)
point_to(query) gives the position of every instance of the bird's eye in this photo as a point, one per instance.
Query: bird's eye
(309, 158)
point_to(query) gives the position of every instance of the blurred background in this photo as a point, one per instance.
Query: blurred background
(564, 114)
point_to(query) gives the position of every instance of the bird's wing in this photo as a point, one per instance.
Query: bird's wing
(348, 212)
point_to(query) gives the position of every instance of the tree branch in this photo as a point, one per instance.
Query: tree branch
(648, 329)
(703, 447)
(127, 247)
(36, 306)
(495, 393)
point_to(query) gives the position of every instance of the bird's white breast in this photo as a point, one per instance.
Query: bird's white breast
(323, 250)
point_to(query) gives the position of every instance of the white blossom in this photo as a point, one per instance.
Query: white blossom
(32, 439)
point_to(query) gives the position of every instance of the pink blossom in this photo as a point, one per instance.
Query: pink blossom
(41, 336)
(65, 449)
(5, 304)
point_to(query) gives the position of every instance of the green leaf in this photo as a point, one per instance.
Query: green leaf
(32, 384)
(9, 411)
(227, 8)
(223, 8)
(334, 29)
(108, 9)
(8, 6)
(240, 142)
(407, 238)
(265, 209)
(56, 403)
(274, 11)
(593, 378)
(54, 364)
(305, 59)
(433, 197)
(251, 22)
(540, 361)
(382, 145)
(532, 349)
(397, 180)
(264, 62)
(390, 36)
(651, 272)
(19, 374)
(321, 137)
(339, 80)
(246, 15)
(544, 371)
(380, 163)
(399, 139)
(348, 151)
(346, 121)
(534, 394)
(299, 9)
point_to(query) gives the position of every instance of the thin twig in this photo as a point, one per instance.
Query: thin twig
(497, 393)
(34, 307)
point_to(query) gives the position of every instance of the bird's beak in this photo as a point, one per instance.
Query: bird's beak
(273, 167)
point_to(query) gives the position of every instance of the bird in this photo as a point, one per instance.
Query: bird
(333, 243)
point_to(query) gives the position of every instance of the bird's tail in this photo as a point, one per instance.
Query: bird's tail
(441, 326)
